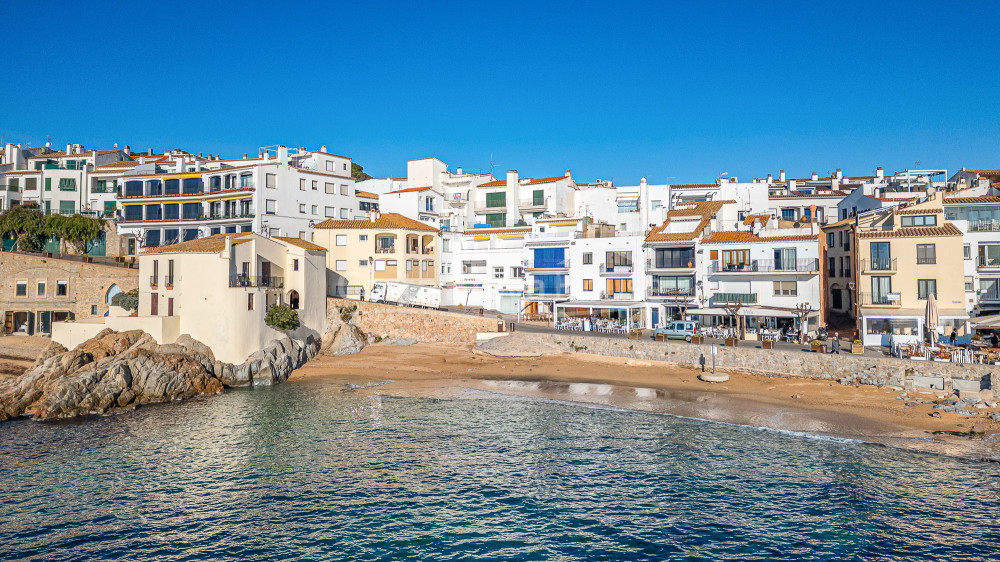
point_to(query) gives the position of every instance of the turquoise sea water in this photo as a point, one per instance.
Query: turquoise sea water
(311, 470)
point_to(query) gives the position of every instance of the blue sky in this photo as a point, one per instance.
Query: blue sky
(677, 92)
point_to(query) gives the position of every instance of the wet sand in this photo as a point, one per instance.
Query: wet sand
(17, 353)
(803, 405)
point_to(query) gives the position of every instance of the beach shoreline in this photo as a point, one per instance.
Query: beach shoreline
(787, 404)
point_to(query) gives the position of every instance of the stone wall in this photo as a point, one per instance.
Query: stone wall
(844, 368)
(400, 323)
(87, 285)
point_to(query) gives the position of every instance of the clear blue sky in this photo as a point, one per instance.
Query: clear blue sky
(612, 90)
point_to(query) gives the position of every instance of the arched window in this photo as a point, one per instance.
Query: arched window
(293, 299)
(112, 291)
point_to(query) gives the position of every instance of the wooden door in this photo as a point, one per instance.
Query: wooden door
(154, 304)
(170, 306)
(8, 323)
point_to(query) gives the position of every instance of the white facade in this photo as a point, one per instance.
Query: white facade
(979, 220)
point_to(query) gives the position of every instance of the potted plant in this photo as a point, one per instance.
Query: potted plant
(817, 346)
(857, 347)
(732, 341)
(698, 338)
(767, 344)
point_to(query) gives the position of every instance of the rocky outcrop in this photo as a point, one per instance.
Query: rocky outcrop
(342, 336)
(118, 370)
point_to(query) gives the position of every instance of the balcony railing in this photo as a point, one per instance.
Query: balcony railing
(984, 226)
(805, 265)
(986, 262)
(550, 296)
(669, 293)
(732, 298)
(926, 260)
(389, 250)
(990, 295)
(670, 264)
(154, 281)
(881, 264)
(616, 269)
(556, 264)
(883, 299)
(270, 282)
(222, 216)
(168, 281)
(623, 296)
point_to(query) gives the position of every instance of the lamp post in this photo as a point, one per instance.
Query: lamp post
(802, 310)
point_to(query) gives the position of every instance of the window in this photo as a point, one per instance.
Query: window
(315, 209)
(655, 204)
(329, 165)
(517, 272)
(330, 187)
(390, 263)
(341, 265)
(93, 309)
(363, 238)
(344, 213)
(446, 245)
(967, 252)
(302, 185)
(784, 259)
(676, 257)
(919, 220)
(926, 287)
(588, 258)
(30, 184)
(619, 286)
(250, 301)
(275, 232)
(498, 220)
(302, 208)
(271, 180)
(926, 253)
(735, 259)
(829, 239)
(344, 166)
(498, 199)
(302, 235)
(881, 258)
(21, 290)
(788, 214)
(62, 288)
(330, 212)
(881, 287)
(785, 288)
(628, 206)
(48, 184)
(970, 284)
(538, 197)
(832, 267)
(67, 207)
(588, 284)
(362, 263)
(295, 265)
(270, 206)
(341, 240)
(498, 273)
(385, 244)
(41, 288)
(343, 189)
(315, 185)
(836, 298)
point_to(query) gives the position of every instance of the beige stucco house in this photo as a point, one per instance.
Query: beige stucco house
(218, 290)
(382, 247)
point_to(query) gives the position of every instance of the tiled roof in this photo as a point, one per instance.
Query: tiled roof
(305, 244)
(410, 189)
(914, 232)
(510, 230)
(503, 182)
(547, 180)
(986, 171)
(704, 209)
(207, 245)
(62, 154)
(116, 166)
(970, 200)
(494, 183)
(848, 220)
(916, 211)
(692, 185)
(745, 236)
(365, 194)
(831, 195)
(384, 221)
(763, 218)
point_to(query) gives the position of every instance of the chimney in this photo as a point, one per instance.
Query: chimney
(150, 152)
(458, 171)
(815, 176)
(69, 149)
(879, 173)
(283, 154)
(142, 159)
(116, 146)
(322, 148)
(199, 155)
(770, 178)
(244, 155)
(840, 174)
(781, 175)
(128, 150)
(568, 174)
(512, 177)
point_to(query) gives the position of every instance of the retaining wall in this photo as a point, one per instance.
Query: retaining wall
(845, 368)
(420, 324)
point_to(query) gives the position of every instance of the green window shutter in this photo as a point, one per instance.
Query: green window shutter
(109, 207)
(67, 207)
(13, 184)
(48, 184)
(496, 199)
(538, 197)
(48, 207)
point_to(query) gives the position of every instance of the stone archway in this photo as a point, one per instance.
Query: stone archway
(113, 290)
(293, 299)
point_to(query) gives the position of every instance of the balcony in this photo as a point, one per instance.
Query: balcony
(886, 299)
(560, 264)
(458, 202)
(766, 266)
(926, 260)
(488, 210)
(224, 216)
(670, 264)
(154, 281)
(389, 250)
(546, 296)
(269, 282)
(990, 295)
(168, 281)
(533, 204)
(622, 296)
(106, 189)
(719, 299)
(984, 226)
(662, 292)
(986, 262)
(886, 265)
(616, 270)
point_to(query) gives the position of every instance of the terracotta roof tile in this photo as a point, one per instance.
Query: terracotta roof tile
(763, 218)
(384, 221)
(970, 200)
(365, 194)
(494, 183)
(207, 245)
(509, 230)
(745, 236)
(692, 185)
(410, 190)
(704, 209)
(986, 171)
(547, 180)
(305, 244)
(914, 232)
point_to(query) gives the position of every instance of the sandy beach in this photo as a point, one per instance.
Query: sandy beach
(787, 404)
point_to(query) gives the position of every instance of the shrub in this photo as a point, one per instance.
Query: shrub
(128, 301)
(280, 317)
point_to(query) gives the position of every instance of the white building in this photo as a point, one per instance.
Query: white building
(979, 220)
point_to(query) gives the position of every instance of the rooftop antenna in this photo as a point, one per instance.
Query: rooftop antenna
(492, 165)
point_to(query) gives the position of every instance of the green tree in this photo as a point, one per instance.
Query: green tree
(25, 223)
(76, 229)
(280, 317)
(358, 172)
(128, 301)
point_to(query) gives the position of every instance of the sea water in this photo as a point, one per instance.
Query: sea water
(322, 471)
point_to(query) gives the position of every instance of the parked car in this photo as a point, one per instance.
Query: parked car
(678, 330)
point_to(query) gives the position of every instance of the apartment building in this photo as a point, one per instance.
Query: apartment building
(903, 255)
(381, 247)
(484, 268)
(183, 197)
(511, 201)
(978, 218)
(837, 258)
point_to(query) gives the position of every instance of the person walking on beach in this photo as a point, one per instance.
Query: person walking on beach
(835, 347)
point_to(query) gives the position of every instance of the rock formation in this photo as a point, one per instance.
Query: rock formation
(117, 370)
(342, 336)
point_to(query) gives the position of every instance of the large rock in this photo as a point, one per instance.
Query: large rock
(116, 370)
(342, 336)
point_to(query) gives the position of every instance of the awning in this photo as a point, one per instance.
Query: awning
(601, 304)
(919, 312)
(988, 322)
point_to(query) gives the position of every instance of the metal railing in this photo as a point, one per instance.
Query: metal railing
(991, 295)
(669, 293)
(986, 262)
(880, 264)
(154, 281)
(670, 264)
(389, 250)
(869, 299)
(623, 296)
(168, 281)
(984, 226)
(732, 298)
(221, 216)
(766, 266)
(617, 269)
(555, 264)
(270, 282)
(926, 260)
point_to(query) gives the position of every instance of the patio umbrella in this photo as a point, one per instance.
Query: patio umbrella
(931, 319)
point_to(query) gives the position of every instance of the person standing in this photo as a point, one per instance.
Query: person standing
(362, 294)
(835, 347)
(701, 361)
(953, 337)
